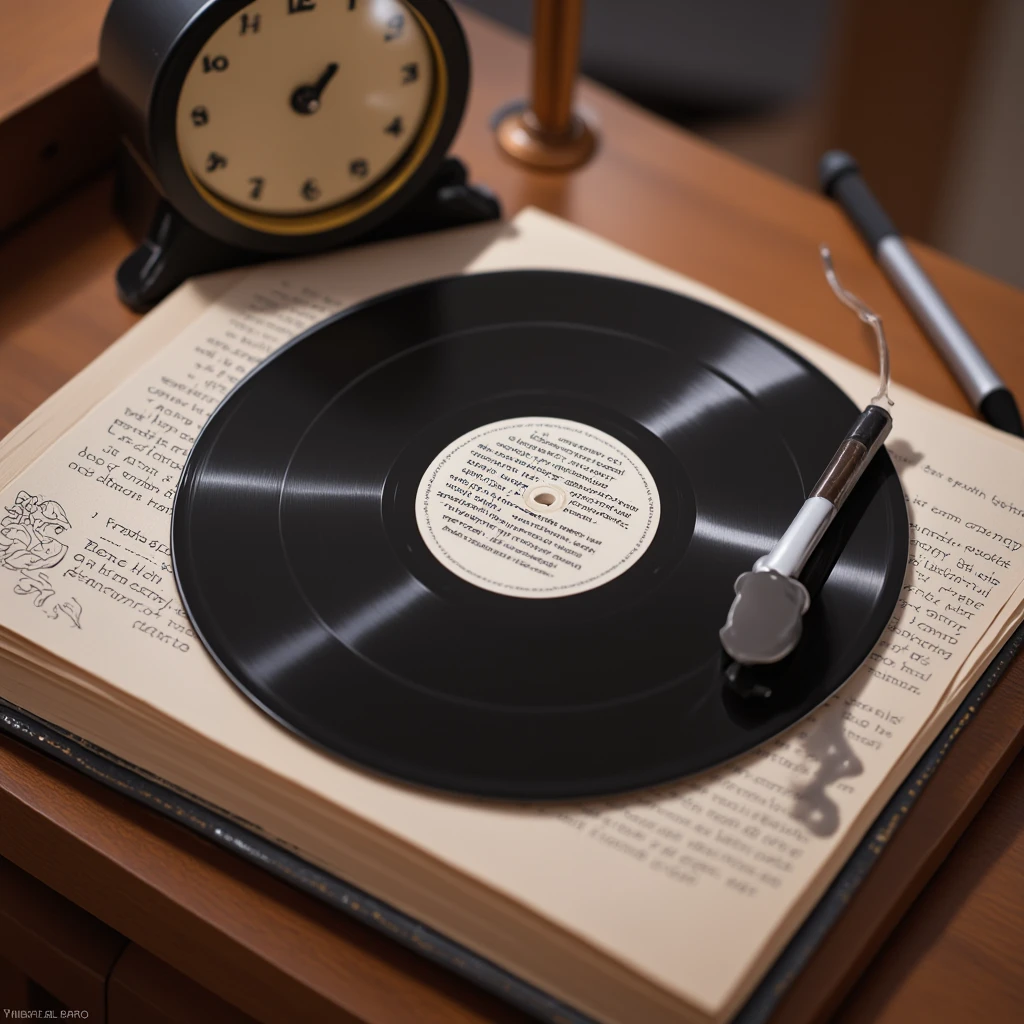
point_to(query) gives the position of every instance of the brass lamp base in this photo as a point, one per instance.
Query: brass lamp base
(520, 135)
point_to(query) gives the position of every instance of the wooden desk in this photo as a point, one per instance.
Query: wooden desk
(280, 956)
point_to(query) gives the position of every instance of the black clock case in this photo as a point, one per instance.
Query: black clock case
(146, 49)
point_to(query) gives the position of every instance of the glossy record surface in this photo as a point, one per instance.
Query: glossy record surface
(300, 562)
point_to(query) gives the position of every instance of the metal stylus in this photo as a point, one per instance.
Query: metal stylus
(841, 179)
(765, 621)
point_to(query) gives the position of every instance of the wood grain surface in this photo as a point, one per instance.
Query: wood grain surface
(44, 46)
(959, 954)
(65, 950)
(143, 988)
(895, 97)
(54, 125)
(15, 987)
(278, 955)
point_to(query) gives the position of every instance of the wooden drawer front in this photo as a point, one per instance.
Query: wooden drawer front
(55, 944)
(144, 988)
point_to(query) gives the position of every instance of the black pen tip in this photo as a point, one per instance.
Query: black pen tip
(832, 166)
(1000, 409)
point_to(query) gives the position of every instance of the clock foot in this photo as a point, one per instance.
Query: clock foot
(173, 250)
(449, 201)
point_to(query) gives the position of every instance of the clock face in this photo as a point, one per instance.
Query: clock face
(295, 106)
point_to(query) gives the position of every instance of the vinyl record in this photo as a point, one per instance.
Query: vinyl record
(480, 534)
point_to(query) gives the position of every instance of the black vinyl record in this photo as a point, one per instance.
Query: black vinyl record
(301, 563)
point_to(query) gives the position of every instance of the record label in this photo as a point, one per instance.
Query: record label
(537, 507)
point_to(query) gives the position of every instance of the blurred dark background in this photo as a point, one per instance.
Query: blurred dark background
(927, 94)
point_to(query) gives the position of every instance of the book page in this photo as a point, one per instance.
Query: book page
(33, 435)
(689, 885)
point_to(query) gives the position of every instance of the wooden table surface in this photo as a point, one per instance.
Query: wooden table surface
(279, 955)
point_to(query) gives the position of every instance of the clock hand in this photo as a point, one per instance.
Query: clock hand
(324, 79)
(306, 98)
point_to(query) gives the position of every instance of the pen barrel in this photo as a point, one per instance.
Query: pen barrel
(841, 179)
(842, 473)
(855, 452)
(853, 456)
(797, 544)
(972, 370)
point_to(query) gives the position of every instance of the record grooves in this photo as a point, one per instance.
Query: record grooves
(305, 569)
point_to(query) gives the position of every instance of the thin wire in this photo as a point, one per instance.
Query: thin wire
(868, 316)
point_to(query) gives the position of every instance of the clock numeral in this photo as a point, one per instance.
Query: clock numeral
(359, 168)
(410, 72)
(298, 6)
(215, 161)
(249, 23)
(218, 63)
(257, 188)
(311, 190)
(395, 128)
(200, 116)
(395, 25)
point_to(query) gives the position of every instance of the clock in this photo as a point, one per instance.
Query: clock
(255, 129)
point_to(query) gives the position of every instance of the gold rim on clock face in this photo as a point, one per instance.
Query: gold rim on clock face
(298, 116)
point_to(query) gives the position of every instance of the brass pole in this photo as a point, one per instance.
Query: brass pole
(557, 25)
(546, 133)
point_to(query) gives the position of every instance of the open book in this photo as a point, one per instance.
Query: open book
(668, 905)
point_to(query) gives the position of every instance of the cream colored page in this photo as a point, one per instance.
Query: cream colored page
(687, 884)
(35, 433)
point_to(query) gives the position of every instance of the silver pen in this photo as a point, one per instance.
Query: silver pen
(841, 179)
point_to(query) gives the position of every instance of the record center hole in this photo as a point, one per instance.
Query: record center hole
(546, 499)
